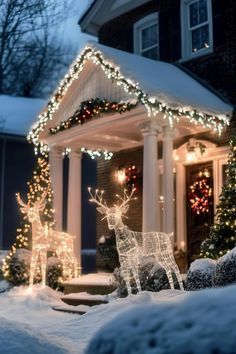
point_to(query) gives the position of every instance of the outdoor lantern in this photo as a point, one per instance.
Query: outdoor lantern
(121, 175)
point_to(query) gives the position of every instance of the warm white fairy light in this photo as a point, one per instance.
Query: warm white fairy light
(153, 244)
(112, 72)
(45, 239)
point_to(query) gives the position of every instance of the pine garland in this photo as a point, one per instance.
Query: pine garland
(92, 108)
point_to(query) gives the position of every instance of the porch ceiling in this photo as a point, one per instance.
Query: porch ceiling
(115, 75)
(115, 132)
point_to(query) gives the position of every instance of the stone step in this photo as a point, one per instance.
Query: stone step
(97, 283)
(89, 300)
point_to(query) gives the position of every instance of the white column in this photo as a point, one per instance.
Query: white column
(151, 220)
(168, 180)
(56, 172)
(74, 201)
(181, 205)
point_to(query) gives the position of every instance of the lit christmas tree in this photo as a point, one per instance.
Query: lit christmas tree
(223, 233)
(40, 183)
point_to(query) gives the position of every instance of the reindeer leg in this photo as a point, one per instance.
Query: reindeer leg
(125, 271)
(167, 268)
(43, 257)
(177, 273)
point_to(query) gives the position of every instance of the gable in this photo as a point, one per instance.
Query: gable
(160, 87)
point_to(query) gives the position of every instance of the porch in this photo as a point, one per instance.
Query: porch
(167, 108)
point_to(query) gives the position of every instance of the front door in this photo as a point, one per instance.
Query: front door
(199, 203)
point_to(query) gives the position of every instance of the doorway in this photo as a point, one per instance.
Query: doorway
(199, 206)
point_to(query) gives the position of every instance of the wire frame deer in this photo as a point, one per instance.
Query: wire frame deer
(131, 245)
(45, 239)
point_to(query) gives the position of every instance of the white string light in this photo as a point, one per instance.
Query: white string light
(153, 244)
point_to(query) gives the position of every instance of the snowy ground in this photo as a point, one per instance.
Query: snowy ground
(29, 325)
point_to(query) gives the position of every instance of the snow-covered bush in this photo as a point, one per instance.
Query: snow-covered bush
(201, 323)
(19, 270)
(226, 269)
(152, 278)
(19, 267)
(201, 274)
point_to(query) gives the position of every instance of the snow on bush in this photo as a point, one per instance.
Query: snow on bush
(18, 338)
(152, 278)
(226, 269)
(19, 269)
(201, 274)
(198, 323)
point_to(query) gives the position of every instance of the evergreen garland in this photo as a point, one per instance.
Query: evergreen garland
(93, 108)
(223, 233)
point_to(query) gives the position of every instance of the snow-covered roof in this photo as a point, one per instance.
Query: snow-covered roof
(160, 87)
(18, 113)
(165, 81)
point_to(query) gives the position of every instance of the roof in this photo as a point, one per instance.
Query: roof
(99, 12)
(166, 82)
(159, 86)
(18, 113)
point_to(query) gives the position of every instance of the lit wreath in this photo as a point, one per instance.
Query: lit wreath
(200, 194)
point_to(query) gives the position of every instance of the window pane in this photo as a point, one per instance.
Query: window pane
(151, 53)
(200, 38)
(149, 36)
(198, 12)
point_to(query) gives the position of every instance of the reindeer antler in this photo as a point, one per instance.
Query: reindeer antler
(97, 198)
(24, 207)
(40, 203)
(126, 198)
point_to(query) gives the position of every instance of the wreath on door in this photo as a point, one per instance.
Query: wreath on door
(200, 194)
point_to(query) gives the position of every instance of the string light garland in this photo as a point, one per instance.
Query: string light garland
(200, 195)
(92, 108)
(152, 104)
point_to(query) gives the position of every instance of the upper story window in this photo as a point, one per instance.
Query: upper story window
(146, 37)
(196, 21)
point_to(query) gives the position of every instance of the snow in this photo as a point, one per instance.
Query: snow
(202, 322)
(18, 113)
(85, 296)
(205, 265)
(165, 81)
(93, 279)
(28, 324)
(228, 256)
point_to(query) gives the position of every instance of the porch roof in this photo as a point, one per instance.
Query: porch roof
(162, 88)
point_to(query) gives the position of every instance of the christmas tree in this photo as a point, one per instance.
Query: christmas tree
(223, 233)
(40, 183)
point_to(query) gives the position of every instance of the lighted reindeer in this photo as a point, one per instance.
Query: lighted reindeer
(45, 239)
(131, 244)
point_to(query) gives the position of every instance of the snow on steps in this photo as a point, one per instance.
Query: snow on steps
(87, 290)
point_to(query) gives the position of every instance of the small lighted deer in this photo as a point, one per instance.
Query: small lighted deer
(131, 244)
(45, 239)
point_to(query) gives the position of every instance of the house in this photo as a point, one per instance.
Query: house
(17, 160)
(157, 92)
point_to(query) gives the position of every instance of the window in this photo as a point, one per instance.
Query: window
(196, 23)
(146, 37)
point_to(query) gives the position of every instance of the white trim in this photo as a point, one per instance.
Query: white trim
(140, 25)
(187, 53)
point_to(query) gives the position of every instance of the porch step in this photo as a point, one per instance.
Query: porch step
(88, 290)
(95, 283)
(84, 298)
